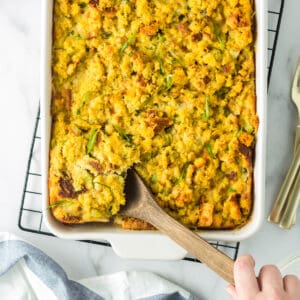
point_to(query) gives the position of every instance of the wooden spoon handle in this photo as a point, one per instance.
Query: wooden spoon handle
(193, 243)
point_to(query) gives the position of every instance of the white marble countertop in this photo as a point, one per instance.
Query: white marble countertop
(19, 94)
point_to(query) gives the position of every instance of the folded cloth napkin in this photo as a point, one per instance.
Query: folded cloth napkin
(28, 273)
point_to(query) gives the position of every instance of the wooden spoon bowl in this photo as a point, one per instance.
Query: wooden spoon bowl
(141, 204)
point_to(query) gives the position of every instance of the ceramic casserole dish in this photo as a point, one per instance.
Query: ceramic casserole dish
(140, 244)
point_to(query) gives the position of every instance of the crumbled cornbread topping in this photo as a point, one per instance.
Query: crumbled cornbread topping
(166, 86)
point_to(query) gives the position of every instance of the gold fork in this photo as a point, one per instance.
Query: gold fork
(285, 206)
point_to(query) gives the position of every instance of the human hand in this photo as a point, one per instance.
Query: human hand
(268, 286)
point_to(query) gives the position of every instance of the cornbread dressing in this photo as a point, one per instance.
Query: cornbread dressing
(164, 86)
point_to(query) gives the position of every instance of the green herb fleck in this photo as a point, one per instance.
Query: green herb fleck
(70, 32)
(222, 44)
(218, 55)
(166, 192)
(80, 107)
(61, 203)
(244, 174)
(226, 111)
(217, 33)
(182, 172)
(148, 155)
(248, 128)
(203, 12)
(232, 190)
(176, 119)
(168, 129)
(75, 129)
(222, 92)
(147, 101)
(75, 36)
(105, 35)
(82, 4)
(168, 139)
(206, 113)
(177, 62)
(160, 36)
(238, 67)
(153, 178)
(239, 132)
(123, 174)
(169, 82)
(123, 135)
(92, 141)
(127, 43)
(161, 66)
(95, 213)
(209, 150)
(86, 97)
(129, 3)
(107, 187)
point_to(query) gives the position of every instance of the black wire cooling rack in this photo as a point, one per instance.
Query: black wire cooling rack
(31, 217)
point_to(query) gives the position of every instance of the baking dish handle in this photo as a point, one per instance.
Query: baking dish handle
(146, 246)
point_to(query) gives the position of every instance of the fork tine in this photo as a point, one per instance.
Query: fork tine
(296, 83)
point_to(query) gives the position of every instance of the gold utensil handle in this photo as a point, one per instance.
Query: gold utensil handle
(293, 201)
(297, 138)
(280, 202)
(296, 143)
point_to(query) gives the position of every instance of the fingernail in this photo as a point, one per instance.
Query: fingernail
(245, 260)
(230, 290)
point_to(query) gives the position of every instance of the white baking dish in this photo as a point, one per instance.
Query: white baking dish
(149, 244)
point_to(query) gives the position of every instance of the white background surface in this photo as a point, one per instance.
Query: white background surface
(19, 94)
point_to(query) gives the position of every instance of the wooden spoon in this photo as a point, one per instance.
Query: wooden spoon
(141, 204)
